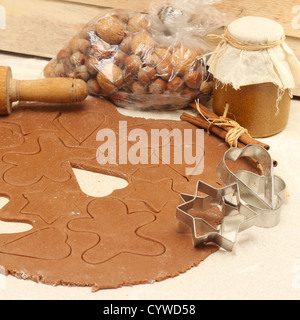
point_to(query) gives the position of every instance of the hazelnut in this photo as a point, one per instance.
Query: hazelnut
(84, 46)
(93, 66)
(176, 85)
(158, 86)
(182, 59)
(100, 50)
(133, 64)
(73, 44)
(146, 75)
(163, 54)
(119, 58)
(193, 79)
(129, 79)
(63, 54)
(152, 60)
(77, 59)
(109, 78)
(93, 87)
(125, 45)
(78, 44)
(81, 73)
(68, 66)
(111, 30)
(165, 70)
(142, 44)
(49, 70)
(138, 88)
(191, 94)
(60, 70)
(138, 23)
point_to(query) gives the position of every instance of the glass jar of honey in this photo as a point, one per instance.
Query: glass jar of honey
(254, 73)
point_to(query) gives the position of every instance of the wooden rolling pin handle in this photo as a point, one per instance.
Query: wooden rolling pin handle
(55, 90)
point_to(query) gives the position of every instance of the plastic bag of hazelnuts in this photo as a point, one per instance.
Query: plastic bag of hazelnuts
(143, 61)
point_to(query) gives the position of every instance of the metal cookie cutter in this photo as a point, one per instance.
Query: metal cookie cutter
(262, 193)
(236, 218)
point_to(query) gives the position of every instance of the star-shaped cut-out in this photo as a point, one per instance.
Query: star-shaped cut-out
(51, 203)
(122, 238)
(235, 217)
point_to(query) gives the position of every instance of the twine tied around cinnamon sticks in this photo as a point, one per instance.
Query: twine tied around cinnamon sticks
(225, 128)
(233, 134)
(209, 121)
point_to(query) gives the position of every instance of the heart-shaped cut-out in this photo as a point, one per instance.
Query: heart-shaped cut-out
(98, 185)
(87, 124)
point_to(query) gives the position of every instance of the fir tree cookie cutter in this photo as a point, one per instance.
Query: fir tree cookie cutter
(262, 193)
(235, 217)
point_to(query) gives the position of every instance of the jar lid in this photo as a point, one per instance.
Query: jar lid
(253, 51)
(256, 30)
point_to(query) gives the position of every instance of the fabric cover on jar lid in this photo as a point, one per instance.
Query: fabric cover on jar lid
(253, 51)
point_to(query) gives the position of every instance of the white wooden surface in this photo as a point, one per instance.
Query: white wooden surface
(264, 265)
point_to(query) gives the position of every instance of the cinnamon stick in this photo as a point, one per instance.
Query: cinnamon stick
(244, 138)
(197, 121)
(203, 124)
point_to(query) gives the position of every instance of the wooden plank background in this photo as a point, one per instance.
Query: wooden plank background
(42, 27)
(278, 10)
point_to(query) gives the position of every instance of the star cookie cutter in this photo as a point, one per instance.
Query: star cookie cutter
(262, 193)
(236, 217)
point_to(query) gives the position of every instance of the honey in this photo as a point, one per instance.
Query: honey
(254, 107)
(254, 74)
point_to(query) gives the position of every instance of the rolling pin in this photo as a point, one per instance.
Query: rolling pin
(55, 90)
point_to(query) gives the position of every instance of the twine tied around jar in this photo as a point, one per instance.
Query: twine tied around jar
(227, 38)
(233, 135)
(242, 45)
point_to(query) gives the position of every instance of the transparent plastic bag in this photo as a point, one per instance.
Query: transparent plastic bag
(143, 61)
